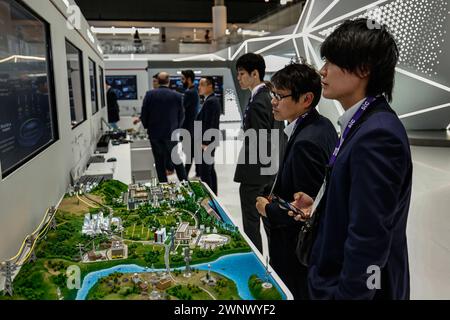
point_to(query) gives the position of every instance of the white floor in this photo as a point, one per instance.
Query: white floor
(428, 225)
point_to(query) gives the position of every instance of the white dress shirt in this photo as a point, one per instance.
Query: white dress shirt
(255, 89)
(289, 130)
(347, 116)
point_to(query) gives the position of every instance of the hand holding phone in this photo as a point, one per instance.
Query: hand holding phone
(289, 207)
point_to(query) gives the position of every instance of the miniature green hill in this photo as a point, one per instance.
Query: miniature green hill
(110, 190)
(260, 293)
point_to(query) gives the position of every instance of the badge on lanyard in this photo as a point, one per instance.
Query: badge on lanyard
(333, 158)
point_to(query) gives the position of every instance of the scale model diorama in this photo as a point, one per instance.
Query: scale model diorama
(139, 242)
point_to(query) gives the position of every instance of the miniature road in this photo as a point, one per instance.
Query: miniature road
(193, 217)
(214, 298)
(86, 203)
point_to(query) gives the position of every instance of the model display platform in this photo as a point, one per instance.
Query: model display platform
(139, 242)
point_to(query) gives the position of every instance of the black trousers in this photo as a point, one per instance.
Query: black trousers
(198, 167)
(283, 259)
(208, 174)
(250, 216)
(162, 150)
(169, 164)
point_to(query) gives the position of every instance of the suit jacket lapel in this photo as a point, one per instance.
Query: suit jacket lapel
(314, 115)
(380, 105)
(308, 120)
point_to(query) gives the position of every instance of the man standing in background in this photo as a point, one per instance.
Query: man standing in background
(258, 116)
(169, 165)
(191, 104)
(113, 107)
(210, 118)
(162, 114)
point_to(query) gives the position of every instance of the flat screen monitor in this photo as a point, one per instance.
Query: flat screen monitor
(27, 102)
(177, 84)
(125, 87)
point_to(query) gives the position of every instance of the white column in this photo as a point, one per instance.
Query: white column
(219, 14)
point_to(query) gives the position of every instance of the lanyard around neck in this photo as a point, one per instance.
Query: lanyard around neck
(299, 120)
(358, 114)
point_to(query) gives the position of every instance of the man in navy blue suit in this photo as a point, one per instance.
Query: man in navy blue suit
(210, 119)
(360, 251)
(312, 137)
(191, 104)
(162, 114)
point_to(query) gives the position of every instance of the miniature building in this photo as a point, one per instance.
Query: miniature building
(211, 211)
(156, 201)
(116, 221)
(95, 225)
(156, 191)
(209, 279)
(137, 196)
(164, 284)
(117, 250)
(136, 278)
(182, 234)
(143, 286)
(92, 256)
(211, 241)
(160, 236)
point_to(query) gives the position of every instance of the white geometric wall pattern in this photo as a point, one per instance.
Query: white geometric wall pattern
(422, 90)
(417, 26)
(420, 27)
(232, 113)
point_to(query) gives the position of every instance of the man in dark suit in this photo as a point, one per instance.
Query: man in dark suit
(113, 107)
(360, 250)
(258, 117)
(170, 169)
(191, 103)
(312, 137)
(162, 114)
(210, 119)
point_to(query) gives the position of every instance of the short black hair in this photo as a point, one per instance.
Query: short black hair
(188, 74)
(156, 76)
(299, 79)
(251, 62)
(360, 45)
(211, 81)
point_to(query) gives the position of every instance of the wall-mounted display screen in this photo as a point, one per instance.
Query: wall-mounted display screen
(93, 83)
(102, 86)
(125, 87)
(77, 103)
(177, 84)
(27, 105)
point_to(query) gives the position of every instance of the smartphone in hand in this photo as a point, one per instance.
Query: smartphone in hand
(288, 206)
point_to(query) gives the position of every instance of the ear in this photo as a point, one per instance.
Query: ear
(308, 99)
(363, 72)
(255, 74)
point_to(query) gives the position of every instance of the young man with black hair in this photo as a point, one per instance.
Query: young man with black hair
(191, 104)
(210, 119)
(312, 137)
(360, 251)
(258, 116)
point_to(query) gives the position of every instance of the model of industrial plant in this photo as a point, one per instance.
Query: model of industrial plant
(138, 242)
